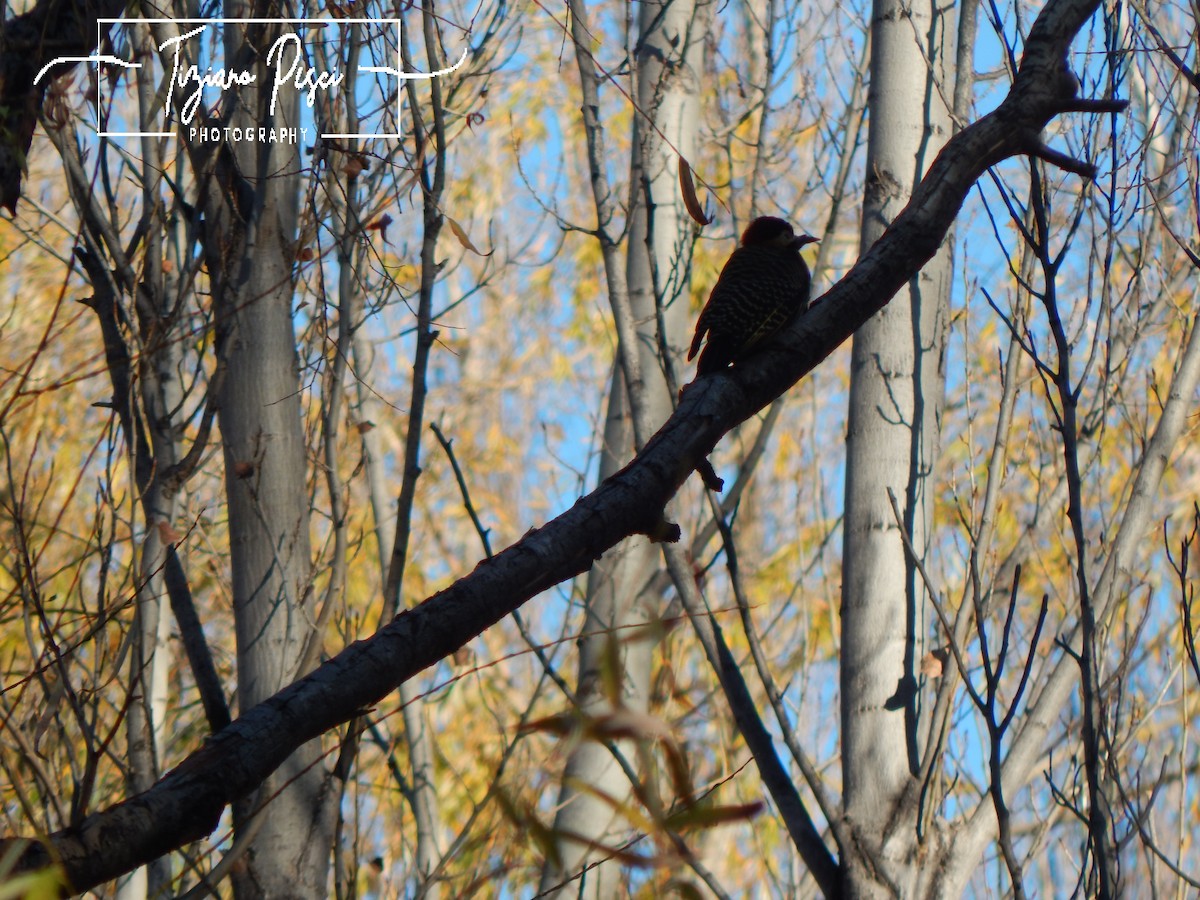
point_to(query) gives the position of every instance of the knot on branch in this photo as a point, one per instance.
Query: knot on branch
(709, 476)
(663, 532)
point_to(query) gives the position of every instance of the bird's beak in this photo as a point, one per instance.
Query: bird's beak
(801, 240)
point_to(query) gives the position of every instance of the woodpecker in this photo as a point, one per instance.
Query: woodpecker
(763, 286)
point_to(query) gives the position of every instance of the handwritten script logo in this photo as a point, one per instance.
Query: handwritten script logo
(285, 60)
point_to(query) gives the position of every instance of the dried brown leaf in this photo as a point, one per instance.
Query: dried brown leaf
(687, 187)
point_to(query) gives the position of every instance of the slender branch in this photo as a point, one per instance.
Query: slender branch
(1094, 727)
(800, 825)
(120, 369)
(812, 778)
(606, 212)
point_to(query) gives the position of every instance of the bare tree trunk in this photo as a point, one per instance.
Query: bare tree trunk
(892, 443)
(251, 200)
(162, 398)
(620, 597)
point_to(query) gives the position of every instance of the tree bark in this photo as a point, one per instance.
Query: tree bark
(620, 598)
(251, 207)
(896, 389)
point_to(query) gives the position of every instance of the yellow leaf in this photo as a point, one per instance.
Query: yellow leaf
(462, 237)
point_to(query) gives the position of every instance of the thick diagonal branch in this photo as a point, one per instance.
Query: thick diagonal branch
(235, 761)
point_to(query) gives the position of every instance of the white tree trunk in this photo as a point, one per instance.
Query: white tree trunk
(162, 397)
(618, 599)
(891, 445)
(250, 246)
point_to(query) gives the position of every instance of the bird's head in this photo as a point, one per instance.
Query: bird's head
(770, 231)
